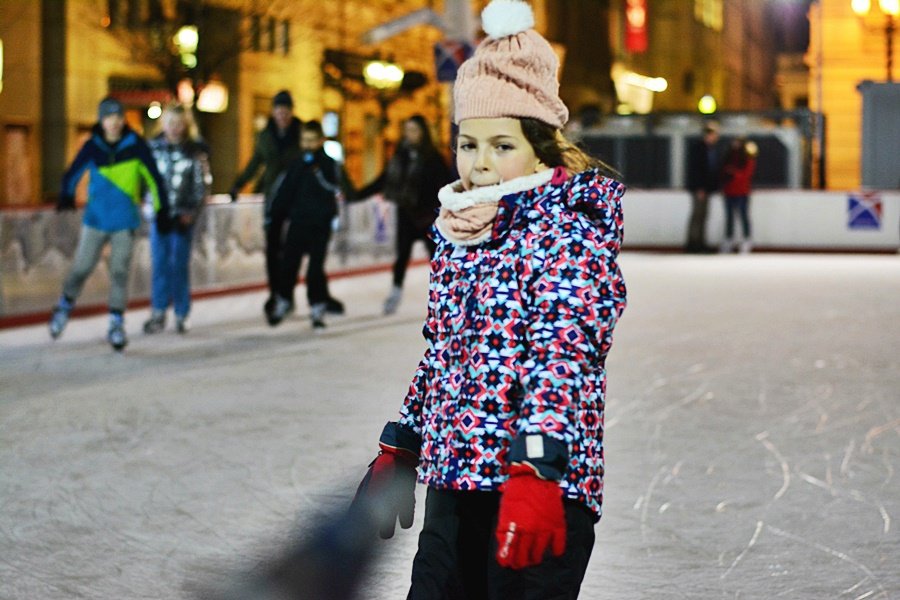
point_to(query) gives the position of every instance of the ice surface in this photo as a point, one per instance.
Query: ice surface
(752, 436)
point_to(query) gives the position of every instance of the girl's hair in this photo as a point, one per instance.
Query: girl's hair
(554, 150)
(427, 143)
(174, 109)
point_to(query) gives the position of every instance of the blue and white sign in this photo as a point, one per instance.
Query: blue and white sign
(864, 210)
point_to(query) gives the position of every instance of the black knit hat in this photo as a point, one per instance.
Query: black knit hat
(283, 98)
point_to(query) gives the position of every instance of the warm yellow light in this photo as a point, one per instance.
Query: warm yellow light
(187, 39)
(890, 7)
(1, 65)
(861, 7)
(383, 75)
(154, 111)
(707, 105)
(213, 98)
(654, 84)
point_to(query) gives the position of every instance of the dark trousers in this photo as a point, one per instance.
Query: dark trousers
(739, 205)
(696, 239)
(457, 549)
(303, 239)
(274, 234)
(408, 231)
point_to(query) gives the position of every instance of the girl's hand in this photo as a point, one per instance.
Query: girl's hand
(531, 520)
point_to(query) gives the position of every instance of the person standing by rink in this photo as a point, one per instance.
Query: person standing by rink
(737, 175)
(182, 161)
(504, 416)
(119, 161)
(703, 181)
(411, 180)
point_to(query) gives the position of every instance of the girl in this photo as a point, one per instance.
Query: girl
(412, 179)
(504, 417)
(182, 160)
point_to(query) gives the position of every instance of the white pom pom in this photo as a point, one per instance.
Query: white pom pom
(501, 18)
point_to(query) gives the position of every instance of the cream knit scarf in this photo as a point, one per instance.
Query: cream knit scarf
(467, 217)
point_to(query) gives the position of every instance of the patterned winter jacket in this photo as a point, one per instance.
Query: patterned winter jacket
(184, 168)
(117, 173)
(518, 330)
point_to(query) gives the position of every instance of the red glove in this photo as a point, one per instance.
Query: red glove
(389, 487)
(531, 519)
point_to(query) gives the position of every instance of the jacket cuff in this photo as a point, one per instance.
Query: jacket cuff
(547, 456)
(399, 437)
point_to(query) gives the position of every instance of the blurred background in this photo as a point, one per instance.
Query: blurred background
(811, 83)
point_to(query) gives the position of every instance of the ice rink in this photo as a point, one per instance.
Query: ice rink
(752, 436)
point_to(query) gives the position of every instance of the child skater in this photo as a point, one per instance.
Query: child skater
(504, 417)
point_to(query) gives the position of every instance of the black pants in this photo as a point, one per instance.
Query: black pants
(408, 231)
(303, 239)
(457, 548)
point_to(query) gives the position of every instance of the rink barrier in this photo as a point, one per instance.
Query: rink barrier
(37, 245)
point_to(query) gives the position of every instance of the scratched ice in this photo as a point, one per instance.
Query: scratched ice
(753, 432)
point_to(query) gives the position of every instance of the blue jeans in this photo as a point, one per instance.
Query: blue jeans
(737, 205)
(171, 261)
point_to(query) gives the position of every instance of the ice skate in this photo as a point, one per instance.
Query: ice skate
(181, 325)
(317, 315)
(156, 322)
(392, 302)
(280, 310)
(59, 319)
(334, 306)
(116, 334)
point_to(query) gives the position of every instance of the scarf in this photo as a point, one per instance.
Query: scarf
(467, 217)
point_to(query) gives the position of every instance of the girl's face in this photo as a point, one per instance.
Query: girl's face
(490, 151)
(412, 133)
(174, 127)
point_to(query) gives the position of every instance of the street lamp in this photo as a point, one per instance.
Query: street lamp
(383, 75)
(891, 10)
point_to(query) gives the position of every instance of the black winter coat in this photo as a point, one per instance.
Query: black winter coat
(308, 193)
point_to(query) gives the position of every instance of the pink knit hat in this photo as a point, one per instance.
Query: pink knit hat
(513, 71)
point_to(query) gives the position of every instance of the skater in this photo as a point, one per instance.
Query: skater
(182, 160)
(119, 161)
(411, 180)
(308, 199)
(277, 146)
(737, 175)
(504, 416)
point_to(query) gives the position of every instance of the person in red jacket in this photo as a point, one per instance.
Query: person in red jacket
(737, 176)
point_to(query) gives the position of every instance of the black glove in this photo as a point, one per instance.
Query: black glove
(233, 192)
(388, 489)
(164, 222)
(65, 202)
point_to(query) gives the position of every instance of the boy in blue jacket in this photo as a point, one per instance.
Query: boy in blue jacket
(119, 162)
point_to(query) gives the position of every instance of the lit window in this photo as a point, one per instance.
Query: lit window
(709, 12)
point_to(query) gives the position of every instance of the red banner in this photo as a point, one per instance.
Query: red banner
(636, 25)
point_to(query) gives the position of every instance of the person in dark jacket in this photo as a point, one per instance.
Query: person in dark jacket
(411, 180)
(119, 163)
(182, 160)
(308, 199)
(703, 181)
(277, 146)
